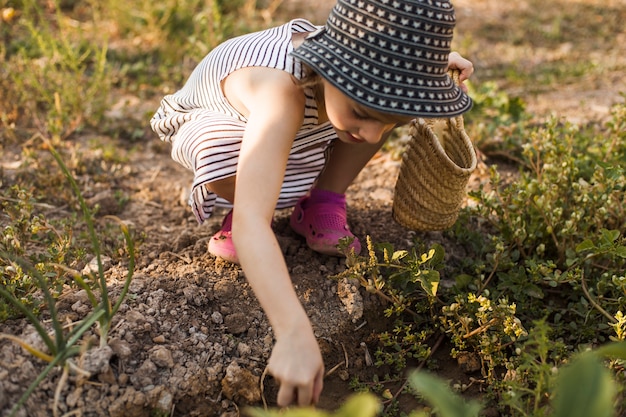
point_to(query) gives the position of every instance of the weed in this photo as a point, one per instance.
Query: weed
(28, 234)
(582, 388)
(59, 78)
(475, 323)
(409, 281)
(63, 346)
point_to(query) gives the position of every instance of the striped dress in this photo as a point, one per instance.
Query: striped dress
(206, 131)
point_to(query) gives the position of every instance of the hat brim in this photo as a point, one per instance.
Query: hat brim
(373, 84)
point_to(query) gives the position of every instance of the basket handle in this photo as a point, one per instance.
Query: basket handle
(457, 121)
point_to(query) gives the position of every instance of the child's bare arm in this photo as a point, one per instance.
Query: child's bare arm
(275, 110)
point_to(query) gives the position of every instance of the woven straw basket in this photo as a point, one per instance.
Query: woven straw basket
(434, 173)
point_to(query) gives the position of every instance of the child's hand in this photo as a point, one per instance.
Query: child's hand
(455, 60)
(296, 363)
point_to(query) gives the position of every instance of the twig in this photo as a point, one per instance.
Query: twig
(263, 388)
(182, 258)
(592, 301)
(332, 370)
(481, 329)
(360, 326)
(57, 391)
(368, 357)
(493, 272)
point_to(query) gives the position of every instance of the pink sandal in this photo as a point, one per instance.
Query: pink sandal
(221, 244)
(323, 223)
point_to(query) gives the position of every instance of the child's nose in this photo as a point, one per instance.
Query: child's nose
(373, 131)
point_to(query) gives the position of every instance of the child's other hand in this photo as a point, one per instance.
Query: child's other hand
(296, 362)
(455, 60)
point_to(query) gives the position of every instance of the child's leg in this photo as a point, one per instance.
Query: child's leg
(321, 216)
(344, 164)
(224, 188)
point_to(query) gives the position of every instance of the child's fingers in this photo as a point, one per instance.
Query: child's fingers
(286, 395)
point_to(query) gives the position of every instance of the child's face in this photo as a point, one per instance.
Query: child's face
(355, 123)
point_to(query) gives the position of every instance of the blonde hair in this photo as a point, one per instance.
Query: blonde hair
(310, 79)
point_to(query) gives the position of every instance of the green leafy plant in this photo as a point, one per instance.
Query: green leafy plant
(28, 234)
(408, 280)
(477, 324)
(63, 345)
(558, 225)
(582, 388)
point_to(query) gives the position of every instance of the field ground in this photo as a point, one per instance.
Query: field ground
(191, 338)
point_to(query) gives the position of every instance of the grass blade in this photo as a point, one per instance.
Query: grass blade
(30, 316)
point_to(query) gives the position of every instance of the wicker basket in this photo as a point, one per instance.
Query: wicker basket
(434, 173)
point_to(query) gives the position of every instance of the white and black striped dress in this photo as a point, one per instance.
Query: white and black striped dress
(206, 131)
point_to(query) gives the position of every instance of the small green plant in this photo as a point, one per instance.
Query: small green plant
(63, 345)
(582, 388)
(397, 275)
(408, 280)
(477, 324)
(530, 373)
(28, 234)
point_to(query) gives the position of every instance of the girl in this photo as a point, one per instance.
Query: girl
(288, 117)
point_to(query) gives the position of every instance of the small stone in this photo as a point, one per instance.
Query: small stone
(162, 357)
(122, 379)
(121, 348)
(217, 318)
(73, 397)
(344, 375)
(92, 265)
(107, 376)
(144, 375)
(243, 350)
(165, 402)
(224, 289)
(159, 339)
(80, 308)
(351, 298)
(135, 317)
